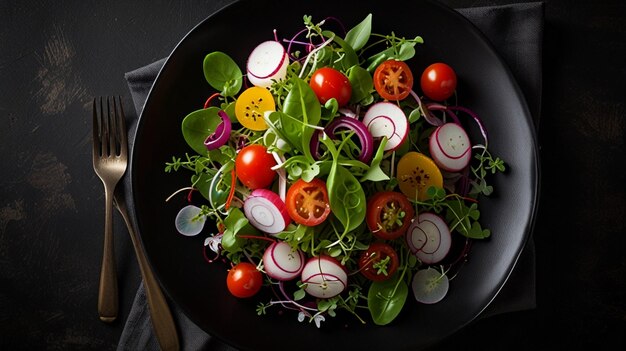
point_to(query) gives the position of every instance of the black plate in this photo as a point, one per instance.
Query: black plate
(486, 86)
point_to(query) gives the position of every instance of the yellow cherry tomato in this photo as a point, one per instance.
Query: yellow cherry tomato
(416, 172)
(252, 105)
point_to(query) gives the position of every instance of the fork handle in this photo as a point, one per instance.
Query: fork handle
(161, 317)
(108, 294)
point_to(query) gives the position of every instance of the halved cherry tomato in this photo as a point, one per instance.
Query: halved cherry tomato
(416, 172)
(253, 166)
(252, 105)
(329, 83)
(244, 280)
(393, 80)
(370, 260)
(307, 203)
(438, 81)
(389, 214)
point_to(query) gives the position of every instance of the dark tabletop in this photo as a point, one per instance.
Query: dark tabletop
(55, 56)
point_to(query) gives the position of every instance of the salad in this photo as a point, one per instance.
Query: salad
(337, 180)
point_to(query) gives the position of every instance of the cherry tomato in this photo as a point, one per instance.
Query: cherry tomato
(389, 214)
(244, 280)
(307, 203)
(370, 258)
(252, 105)
(438, 81)
(417, 172)
(253, 166)
(393, 80)
(329, 83)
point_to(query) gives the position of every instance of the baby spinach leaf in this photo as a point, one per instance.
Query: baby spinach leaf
(358, 36)
(302, 108)
(375, 173)
(233, 223)
(222, 73)
(385, 299)
(350, 57)
(361, 82)
(198, 125)
(346, 197)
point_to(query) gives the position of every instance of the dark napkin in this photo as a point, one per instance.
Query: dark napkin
(516, 32)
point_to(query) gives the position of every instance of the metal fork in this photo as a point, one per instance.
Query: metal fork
(110, 158)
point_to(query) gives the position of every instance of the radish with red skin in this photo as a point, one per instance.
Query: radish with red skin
(429, 238)
(282, 262)
(387, 119)
(429, 285)
(450, 147)
(266, 211)
(267, 62)
(324, 277)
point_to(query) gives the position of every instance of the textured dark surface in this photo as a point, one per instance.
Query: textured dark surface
(55, 56)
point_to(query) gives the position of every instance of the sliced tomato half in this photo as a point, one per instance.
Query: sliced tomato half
(389, 214)
(307, 202)
(393, 80)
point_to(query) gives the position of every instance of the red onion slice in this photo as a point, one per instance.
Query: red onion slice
(221, 134)
(266, 211)
(365, 137)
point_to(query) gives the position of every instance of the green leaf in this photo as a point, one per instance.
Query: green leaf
(350, 57)
(385, 299)
(233, 223)
(375, 173)
(346, 197)
(358, 36)
(361, 82)
(300, 109)
(222, 73)
(198, 125)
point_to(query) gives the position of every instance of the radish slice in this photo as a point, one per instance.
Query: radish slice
(365, 138)
(450, 147)
(187, 221)
(282, 262)
(387, 119)
(429, 238)
(266, 211)
(324, 276)
(267, 62)
(430, 286)
(221, 134)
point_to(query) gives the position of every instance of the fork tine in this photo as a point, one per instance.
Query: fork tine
(113, 132)
(122, 128)
(95, 131)
(104, 129)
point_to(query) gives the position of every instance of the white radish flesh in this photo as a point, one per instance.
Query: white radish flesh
(324, 277)
(282, 262)
(450, 147)
(267, 62)
(266, 211)
(430, 286)
(429, 238)
(186, 222)
(387, 119)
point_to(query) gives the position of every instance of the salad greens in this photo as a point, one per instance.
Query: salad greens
(341, 220)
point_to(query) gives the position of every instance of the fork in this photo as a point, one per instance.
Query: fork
(161, 317)
(110, 158)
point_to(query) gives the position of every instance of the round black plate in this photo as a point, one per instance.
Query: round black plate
(486, 86)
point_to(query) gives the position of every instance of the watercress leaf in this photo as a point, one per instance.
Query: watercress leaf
(329, 109)
(385, 299)
(233, 223)
(222, 73)
(415, 115)
(358, 36)
(361, 82)
(406, 51)
(477, 232)
(198, 125)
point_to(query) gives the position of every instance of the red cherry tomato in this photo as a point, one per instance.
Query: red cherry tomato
(389, 214)
(393, 80)
(370, 262)
(307, 203)
(329, 83)
(244, 280)
(253, 166)
(438, 81)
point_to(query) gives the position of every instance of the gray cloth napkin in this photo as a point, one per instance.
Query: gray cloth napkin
(516, 32)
